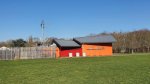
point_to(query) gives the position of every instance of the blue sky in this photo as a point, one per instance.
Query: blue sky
(71, 18)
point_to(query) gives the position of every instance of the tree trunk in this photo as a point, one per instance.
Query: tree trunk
(148, 49)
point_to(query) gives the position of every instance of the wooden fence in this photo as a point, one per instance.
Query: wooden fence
(28, 53)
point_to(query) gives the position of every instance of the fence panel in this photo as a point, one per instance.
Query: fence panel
(28, 53)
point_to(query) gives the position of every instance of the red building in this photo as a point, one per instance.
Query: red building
(89, 46)
(68, 48)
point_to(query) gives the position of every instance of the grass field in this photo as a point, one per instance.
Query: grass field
(96, 70)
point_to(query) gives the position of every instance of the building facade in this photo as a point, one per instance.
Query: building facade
(67, 48)
(86, 46)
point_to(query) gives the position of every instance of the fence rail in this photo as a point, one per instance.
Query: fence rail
(28, 53)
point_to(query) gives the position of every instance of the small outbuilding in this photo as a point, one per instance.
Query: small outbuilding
(68, 48)
(4, 48)
(96, 45)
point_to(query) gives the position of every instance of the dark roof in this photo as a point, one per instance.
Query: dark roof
(66, 43)
(96, 39)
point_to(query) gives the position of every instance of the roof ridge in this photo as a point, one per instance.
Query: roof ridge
(92, 36)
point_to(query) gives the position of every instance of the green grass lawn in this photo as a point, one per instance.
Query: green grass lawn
(96, 70)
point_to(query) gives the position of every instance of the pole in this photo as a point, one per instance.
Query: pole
(42, 27)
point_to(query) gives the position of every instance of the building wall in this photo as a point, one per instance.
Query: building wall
(101, 49)
(64, 52)
(57, 52)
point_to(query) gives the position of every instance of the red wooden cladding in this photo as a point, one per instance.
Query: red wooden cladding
(64, 52)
